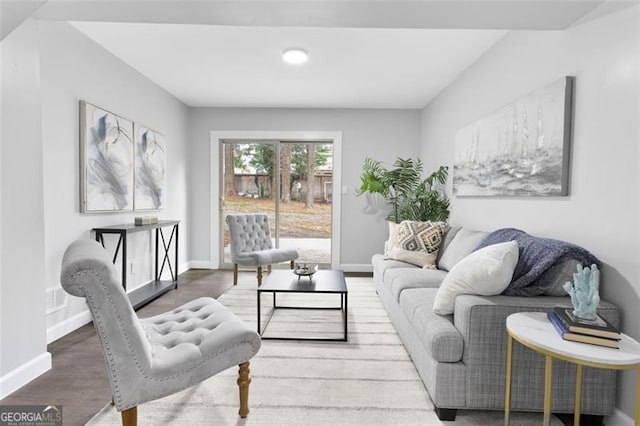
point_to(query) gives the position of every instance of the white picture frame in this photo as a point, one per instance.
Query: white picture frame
(150, 169)
(106, 161)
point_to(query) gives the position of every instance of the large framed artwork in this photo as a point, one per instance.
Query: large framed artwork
(150, 169)
(106, 161)
(520, 150)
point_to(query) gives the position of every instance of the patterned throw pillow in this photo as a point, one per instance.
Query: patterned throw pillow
(418, 243)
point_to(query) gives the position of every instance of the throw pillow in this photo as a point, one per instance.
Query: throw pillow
(393, 237)
(485, 272)
(463, 243)
(418, 243)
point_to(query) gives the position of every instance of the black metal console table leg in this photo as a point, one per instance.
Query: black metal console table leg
(166, 259)
(122, 242)
(147, 292)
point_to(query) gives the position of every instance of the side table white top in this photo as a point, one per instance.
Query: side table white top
(534, 328)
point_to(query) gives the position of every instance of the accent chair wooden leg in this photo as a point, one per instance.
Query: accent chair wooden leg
(269, 268)
(259, 276)
(292, 264)
(243, 386)
(130, 417)
(235, 274)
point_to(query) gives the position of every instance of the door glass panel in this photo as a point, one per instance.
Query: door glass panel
(296, 197)
(305, 203)
(248, 184)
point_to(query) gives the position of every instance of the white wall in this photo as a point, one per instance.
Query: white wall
(381, 134)
(601, 213)
(74, 68)
(23, 351)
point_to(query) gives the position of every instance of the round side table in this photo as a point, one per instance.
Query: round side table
(535, 331)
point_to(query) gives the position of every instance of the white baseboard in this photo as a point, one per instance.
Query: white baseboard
(201, 264)
(18, 377)
(618, 418)
(67, 326)
(184, 267)
(347, 267)
(356, 267)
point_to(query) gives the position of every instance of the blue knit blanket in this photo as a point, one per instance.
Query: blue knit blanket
(541, 259)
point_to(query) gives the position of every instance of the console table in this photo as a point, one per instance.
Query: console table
(157, 287)
(533, 330)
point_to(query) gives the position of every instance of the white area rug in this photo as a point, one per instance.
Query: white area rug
(369, 380)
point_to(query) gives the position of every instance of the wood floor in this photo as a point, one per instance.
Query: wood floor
(78, 379)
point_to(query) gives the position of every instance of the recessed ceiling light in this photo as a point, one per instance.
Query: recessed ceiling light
(295, 56)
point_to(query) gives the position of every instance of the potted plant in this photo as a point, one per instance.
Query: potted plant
(410, 196)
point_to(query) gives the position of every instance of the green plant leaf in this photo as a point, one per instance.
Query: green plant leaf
(411, 196)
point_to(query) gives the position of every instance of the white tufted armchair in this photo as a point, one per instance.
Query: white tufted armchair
(151, 358)
(250, 241)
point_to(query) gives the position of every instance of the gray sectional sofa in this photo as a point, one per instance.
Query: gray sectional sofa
(461, 358)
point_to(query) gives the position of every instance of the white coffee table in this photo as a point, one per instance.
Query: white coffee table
(533, 330)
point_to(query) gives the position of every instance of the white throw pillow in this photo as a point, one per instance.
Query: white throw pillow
(393, 237)
(485, 272)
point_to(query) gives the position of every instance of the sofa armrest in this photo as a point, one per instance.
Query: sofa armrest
(481, 322)
(475, 315)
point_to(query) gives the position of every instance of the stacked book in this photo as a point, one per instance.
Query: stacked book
(596, 331)
(145, 220)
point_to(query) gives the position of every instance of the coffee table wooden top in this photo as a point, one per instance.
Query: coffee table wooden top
(323, 281)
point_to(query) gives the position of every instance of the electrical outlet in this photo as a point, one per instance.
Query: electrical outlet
(132, 268)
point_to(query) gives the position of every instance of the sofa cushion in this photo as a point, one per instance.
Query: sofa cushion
(487, 272)
(398, 280)
(463, 243)
(448, 237)
(437, 333)
(381, 265)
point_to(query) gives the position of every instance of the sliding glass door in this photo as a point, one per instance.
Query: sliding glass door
(292, 183)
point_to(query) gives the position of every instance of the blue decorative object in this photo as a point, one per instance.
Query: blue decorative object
(584, 291)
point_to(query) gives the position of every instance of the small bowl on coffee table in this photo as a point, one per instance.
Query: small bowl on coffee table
(305, 269)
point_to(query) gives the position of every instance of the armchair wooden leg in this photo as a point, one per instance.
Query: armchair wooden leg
(292, 264)
(130, 417)
(269, 268)
(243, 385)
(235, 274)
(259, 276)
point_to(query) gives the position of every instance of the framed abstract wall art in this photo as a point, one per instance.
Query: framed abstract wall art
(106, 161)
(520, 150)
(150, 169)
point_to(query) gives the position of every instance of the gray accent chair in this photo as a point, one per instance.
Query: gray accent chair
(250, 241)
(151, 358)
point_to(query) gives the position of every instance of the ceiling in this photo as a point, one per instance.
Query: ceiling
(242, 66)
(363, 54)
